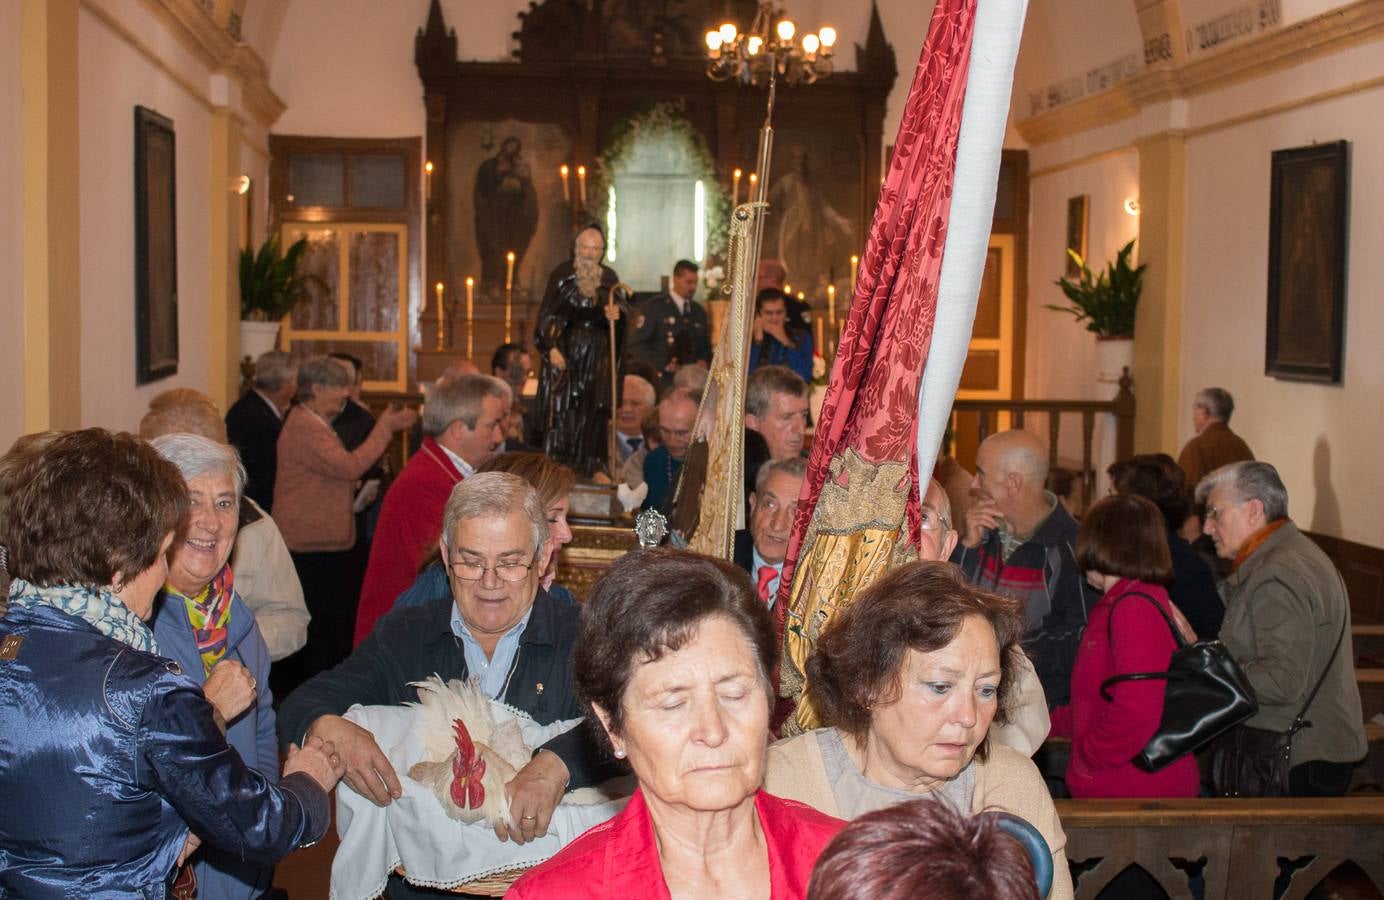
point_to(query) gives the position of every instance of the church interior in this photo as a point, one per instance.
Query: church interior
(438, 161)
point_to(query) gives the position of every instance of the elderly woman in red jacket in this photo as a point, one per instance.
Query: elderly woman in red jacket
(1123, 550)
(673, 658)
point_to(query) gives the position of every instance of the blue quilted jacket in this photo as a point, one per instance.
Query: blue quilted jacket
(108, 756)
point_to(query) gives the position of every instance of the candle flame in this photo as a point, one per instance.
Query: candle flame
(428, 167)
(439, 287)
(510, 256)
(581, 171)
(470, 281)
(737, 173)
(564, 170)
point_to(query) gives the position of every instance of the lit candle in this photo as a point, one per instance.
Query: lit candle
(735, 188)
(470, 289)
(855, 269)
(831, 307)
(427, 178)
(754, 180)
(441, 316)
(787, 289)
(566, 189)
(581, 185)
(509, 289)
(821, 348)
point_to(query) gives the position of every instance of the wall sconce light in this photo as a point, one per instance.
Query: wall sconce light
(1131, 206)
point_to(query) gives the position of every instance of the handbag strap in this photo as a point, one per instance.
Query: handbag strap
(1109, 623)
(1298, 722)
(1138, 676)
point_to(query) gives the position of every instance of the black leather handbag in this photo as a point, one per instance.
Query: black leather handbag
(1206, 694)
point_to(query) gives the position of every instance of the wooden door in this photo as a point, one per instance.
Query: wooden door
(360, 304)
(990, 360)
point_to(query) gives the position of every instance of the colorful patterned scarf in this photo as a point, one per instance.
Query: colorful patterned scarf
(98, 607)
(209, 612)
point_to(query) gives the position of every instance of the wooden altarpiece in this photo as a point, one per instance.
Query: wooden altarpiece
(581, 68)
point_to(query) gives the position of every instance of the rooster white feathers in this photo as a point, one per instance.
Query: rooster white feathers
(469, 752)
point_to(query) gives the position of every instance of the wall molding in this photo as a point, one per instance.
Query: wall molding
(195, 29)
(1088, 159)
(1356, 23)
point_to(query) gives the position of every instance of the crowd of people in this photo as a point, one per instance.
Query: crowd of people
(189, 615)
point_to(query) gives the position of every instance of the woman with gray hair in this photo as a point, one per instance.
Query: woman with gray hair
(313, 492)
(1287, 623)
(202, 624)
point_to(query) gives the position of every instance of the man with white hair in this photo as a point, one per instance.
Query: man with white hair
(463, 422)
(253, 423)
(637, 397)
(1287, 623)
(1019, 541)
(499, 627)
(1214, 444)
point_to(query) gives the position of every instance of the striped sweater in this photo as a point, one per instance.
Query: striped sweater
(1042, 574)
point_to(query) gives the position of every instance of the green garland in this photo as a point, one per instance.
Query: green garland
(657, 120)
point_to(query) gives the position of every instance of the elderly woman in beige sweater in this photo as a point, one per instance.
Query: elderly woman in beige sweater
(908, 679)
(313, 493)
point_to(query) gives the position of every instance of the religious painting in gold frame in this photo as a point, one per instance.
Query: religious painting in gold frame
(1078, 217)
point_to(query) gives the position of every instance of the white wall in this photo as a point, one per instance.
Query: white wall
(1324, 440)
(113, 78)
(11, 230)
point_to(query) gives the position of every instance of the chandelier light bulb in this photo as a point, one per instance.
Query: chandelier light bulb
(786, 30)
(810, 43)
(755, 44)
(828, 36)
(713, 41)
(728, 33)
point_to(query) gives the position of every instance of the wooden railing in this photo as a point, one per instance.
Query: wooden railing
(1121, 407)
(1240, 847)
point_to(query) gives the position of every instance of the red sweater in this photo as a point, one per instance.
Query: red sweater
(409, 526)
(619, 858)
(1107, 736)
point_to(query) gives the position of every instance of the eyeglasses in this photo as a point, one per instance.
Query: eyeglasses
(933, 521)
(510, 572)
(1213, 513)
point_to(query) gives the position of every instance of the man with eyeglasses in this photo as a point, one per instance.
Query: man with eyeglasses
(760, 549)
(677, 417)
(499, 627)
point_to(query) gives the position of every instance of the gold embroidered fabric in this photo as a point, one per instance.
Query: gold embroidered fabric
(856, 535)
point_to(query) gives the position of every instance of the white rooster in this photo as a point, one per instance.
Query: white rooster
(469, 755)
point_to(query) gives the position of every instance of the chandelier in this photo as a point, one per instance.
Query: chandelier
(768, 50)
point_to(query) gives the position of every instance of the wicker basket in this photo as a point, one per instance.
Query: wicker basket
(493, 885)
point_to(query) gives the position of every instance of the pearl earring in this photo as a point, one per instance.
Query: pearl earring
(619, 754)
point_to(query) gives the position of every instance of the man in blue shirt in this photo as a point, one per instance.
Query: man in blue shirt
(498, 627)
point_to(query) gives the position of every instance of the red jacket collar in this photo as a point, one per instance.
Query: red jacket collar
(435, 453)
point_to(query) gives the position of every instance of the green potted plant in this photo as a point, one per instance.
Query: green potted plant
(270, 286)
(1106, 302)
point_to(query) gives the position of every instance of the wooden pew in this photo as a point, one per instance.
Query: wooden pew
(1240, 841)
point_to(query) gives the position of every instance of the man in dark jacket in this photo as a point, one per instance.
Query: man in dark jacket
(761, 548)
(671, 330)
(498, 628)
(1019, 541)
(253, 423)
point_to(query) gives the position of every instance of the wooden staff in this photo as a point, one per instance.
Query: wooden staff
(612, 448)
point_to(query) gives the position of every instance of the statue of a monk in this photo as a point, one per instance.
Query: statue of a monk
(573, 340)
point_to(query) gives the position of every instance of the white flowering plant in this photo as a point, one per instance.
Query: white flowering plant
(712, 278)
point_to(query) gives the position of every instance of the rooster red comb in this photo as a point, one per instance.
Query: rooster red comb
(467, 768)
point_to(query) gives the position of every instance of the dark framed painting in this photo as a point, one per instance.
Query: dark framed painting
(1077, 220)
(1308, 208)
(156, 248)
